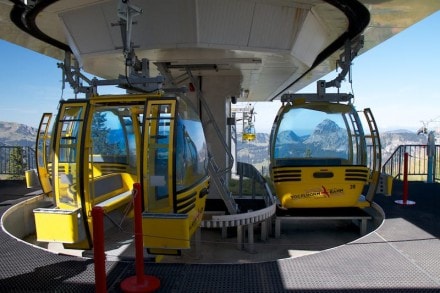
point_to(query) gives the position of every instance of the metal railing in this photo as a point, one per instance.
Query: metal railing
(15, 160)
(417, 163)
(245, 170)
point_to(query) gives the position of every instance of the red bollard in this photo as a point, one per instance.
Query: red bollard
(140, 282)
(404, 200)
(99, 249)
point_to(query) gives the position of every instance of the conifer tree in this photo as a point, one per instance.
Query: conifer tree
(16, 166)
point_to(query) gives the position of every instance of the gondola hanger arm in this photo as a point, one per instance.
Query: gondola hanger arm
(351, 50)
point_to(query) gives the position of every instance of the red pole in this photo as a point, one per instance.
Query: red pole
(99, 249)
(140, 282)
(404, 200)
(405, 178)
(138, 232)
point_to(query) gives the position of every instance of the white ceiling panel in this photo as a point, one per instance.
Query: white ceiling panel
(88, 29)
(275, 27)
(224, 22)
(306, 48)
(171, 23)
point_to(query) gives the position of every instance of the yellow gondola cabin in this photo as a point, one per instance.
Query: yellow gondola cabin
(101, 146)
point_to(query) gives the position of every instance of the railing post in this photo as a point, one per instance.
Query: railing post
(430, 149)
(405, 200)
(405, 178)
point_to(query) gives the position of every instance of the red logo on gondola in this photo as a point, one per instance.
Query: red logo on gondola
(324, 191)
(318, 193)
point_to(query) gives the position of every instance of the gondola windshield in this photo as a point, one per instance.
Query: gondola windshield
(311, 133)
(319, 135)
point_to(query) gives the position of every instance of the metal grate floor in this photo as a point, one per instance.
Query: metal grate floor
(401, 256)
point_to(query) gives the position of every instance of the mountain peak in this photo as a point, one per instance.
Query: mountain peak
(326, 126)
(16, 134)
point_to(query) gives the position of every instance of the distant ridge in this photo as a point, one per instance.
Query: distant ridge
(398, 131)
(16, 134)
(255, 152)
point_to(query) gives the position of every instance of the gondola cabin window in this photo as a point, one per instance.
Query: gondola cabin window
(191, 151)
(158, 126)
(305, 135)
(108, 138)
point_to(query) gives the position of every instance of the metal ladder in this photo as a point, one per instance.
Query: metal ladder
(376, 152)
(218, 174)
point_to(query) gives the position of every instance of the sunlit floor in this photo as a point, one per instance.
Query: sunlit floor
(298, 238)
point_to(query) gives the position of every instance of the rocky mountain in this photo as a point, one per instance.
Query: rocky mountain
(327, 139)
(289, 137)
(15, 134)
(327, 136)
(392, 139)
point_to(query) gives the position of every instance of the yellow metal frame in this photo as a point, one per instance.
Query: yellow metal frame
(43, 138)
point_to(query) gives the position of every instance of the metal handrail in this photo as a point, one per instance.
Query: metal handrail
(15, 160)
(249, 171)
(417, 162)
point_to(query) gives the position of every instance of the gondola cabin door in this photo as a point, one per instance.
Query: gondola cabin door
(67, 159)
(66, 223)
(175, 179)
(158, 168)
(42, 154)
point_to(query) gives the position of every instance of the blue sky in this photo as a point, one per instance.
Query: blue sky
(398, 79)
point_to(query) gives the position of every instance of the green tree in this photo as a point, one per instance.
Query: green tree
(100, 136)
(16, 166)
(99, 132)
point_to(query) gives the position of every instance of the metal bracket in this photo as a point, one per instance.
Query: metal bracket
(72, 74)
(136, 82)
(137, 79)
(306, 98)
(351, 49)
(126, 13)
